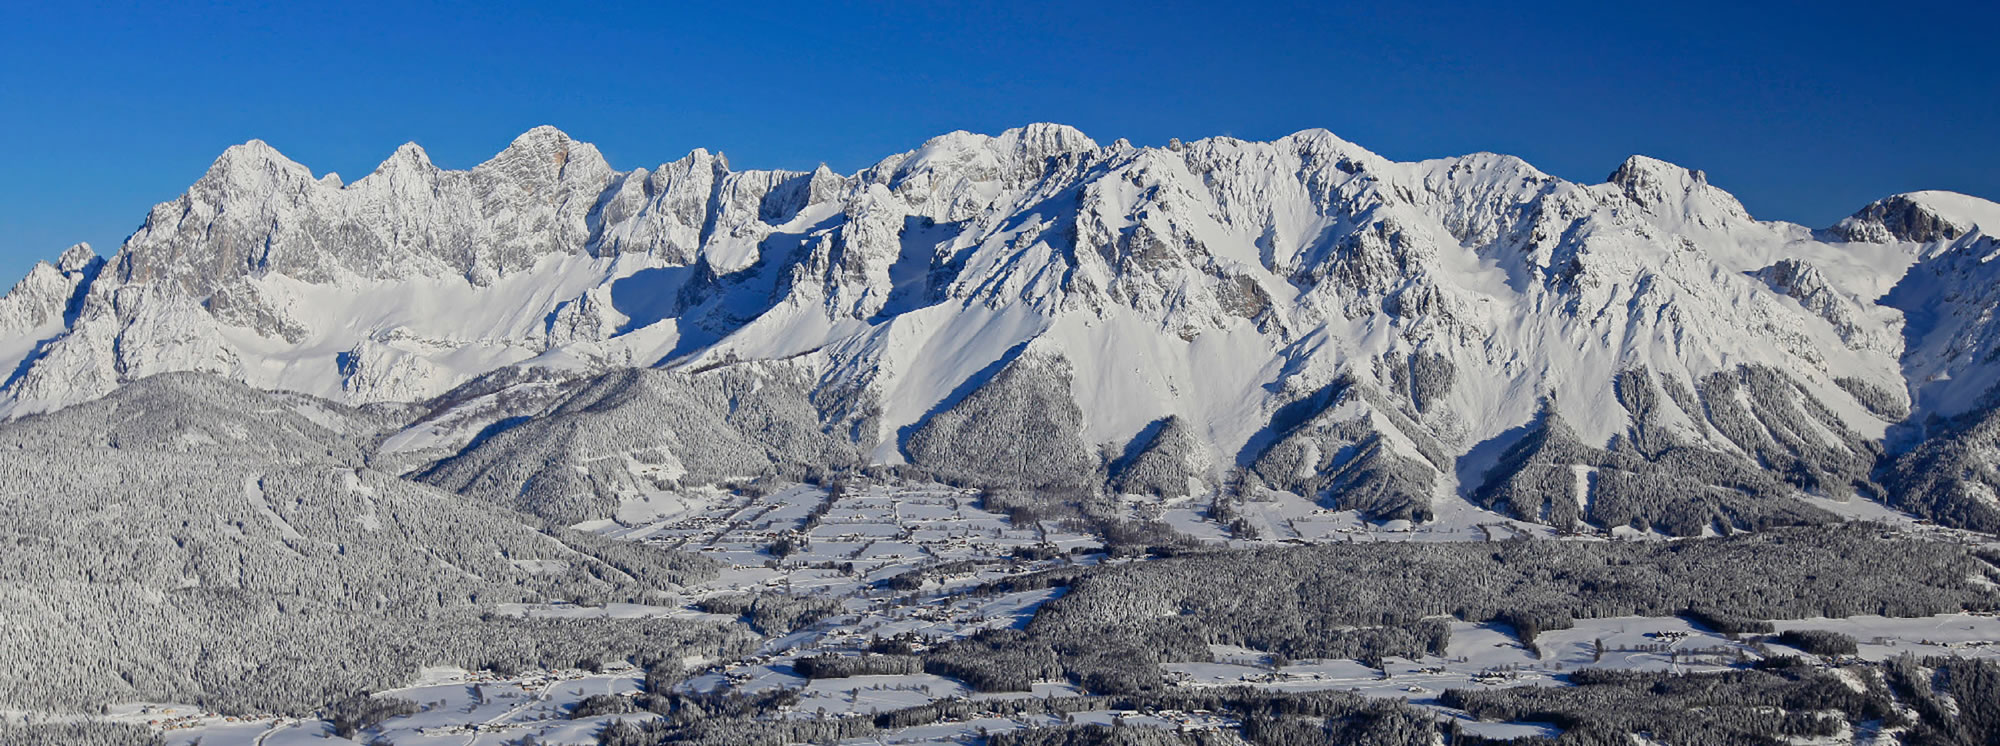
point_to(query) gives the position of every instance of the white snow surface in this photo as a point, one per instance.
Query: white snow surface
(1216, 281)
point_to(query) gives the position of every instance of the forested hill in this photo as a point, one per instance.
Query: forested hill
(189, 539)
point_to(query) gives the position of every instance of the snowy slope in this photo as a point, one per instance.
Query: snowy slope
(1951, 299)
(1394, 328)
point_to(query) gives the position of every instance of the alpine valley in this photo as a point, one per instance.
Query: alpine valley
(960, 447)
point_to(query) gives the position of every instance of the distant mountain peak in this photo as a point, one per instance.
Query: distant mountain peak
(1649, 180)
(1045, 138)
(1920, 217)
(409, 155)
(252, 160)
(76, 258)
(1656, 184)
(548, 147)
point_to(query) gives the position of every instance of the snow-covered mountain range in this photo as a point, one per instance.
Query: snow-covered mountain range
(1037, 310)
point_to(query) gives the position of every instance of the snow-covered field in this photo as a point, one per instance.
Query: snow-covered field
(1880, 638)
(879, 530)
(458, 708)
(882, 530)
(876, 531)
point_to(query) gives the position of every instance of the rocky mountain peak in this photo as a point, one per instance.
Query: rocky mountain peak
(1320, 145)
(408, 157)
(77, 258)
(1648, 180)
(1012, 158)
(1920, 217)
(549, 153)
(1043, 139)
(253, 165)
(1657, 185)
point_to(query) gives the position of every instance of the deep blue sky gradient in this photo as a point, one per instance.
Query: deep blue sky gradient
(1805, 110)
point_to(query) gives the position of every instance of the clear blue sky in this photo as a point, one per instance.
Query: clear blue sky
(1806, 111)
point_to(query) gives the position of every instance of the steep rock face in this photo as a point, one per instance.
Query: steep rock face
(41, 305)
(278, 258)
(256, 211)
(1215, 285)
(1861, 327)
(46, 295)
(1919, 217)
